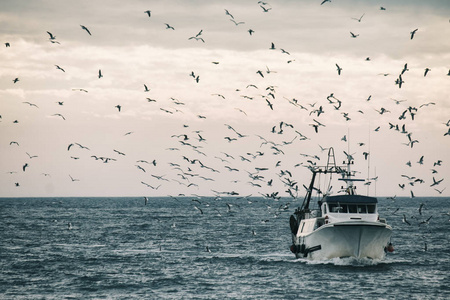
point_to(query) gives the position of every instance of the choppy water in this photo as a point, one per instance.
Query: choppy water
(119, 248)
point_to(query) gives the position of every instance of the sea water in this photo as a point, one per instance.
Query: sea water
(207, 248)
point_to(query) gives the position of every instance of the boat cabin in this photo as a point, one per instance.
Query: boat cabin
(349, 207)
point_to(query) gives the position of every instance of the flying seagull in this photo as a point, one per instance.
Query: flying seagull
(59, 115)
(169, 27)
(228, 14)
(59, 68)
(236, 23)
(359, 20)
(339, 69)
(52, 37)
(73, 178)
(85, 28)
(31, 104)
(413, 33)
(148, 12)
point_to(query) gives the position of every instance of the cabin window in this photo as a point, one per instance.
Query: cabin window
(352, 208)
(362, 209)
(333, 208)
(344, 208)
(371, 208)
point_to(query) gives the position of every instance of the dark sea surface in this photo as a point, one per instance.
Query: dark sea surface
(120, 248)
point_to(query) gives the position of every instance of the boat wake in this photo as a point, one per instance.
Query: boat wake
(346, 261)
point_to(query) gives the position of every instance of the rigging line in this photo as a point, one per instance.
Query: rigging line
(368, 163)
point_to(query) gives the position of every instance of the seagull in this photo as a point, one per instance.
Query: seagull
(81, 90)
(265, 9)
(324, 1)
(359, 20)
(100, 73)
(420, 208)
(59, 115)
(426, 71)
(79, 145)
(59, 68)
(354, 35)
(118, 152)
(413, 33)
(146, 88)
(148, 12)
(405, 221)
(199, 209)
(196, 38)
(87, 30)
(228, 13)
(405, 68)
(15, 80)
(436, 182)
(73, 179)
(236, 23)
(169, 27)
(118, 107)
(420, 162)
(24, 166)
(339, 69)
(439, 191)
(30, 104)
(7, 45)
(52, 37)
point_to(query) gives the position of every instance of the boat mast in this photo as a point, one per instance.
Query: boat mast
(305, 205)
(330, 168)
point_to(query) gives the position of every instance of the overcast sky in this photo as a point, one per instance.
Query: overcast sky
(219, 130)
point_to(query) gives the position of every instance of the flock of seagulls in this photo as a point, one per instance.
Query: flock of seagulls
(263, 166)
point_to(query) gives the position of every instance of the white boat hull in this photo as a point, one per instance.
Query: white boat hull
(345, 239)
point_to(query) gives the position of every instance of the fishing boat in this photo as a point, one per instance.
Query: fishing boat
(343, 225)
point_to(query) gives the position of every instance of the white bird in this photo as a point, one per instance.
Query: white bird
(405, 221)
